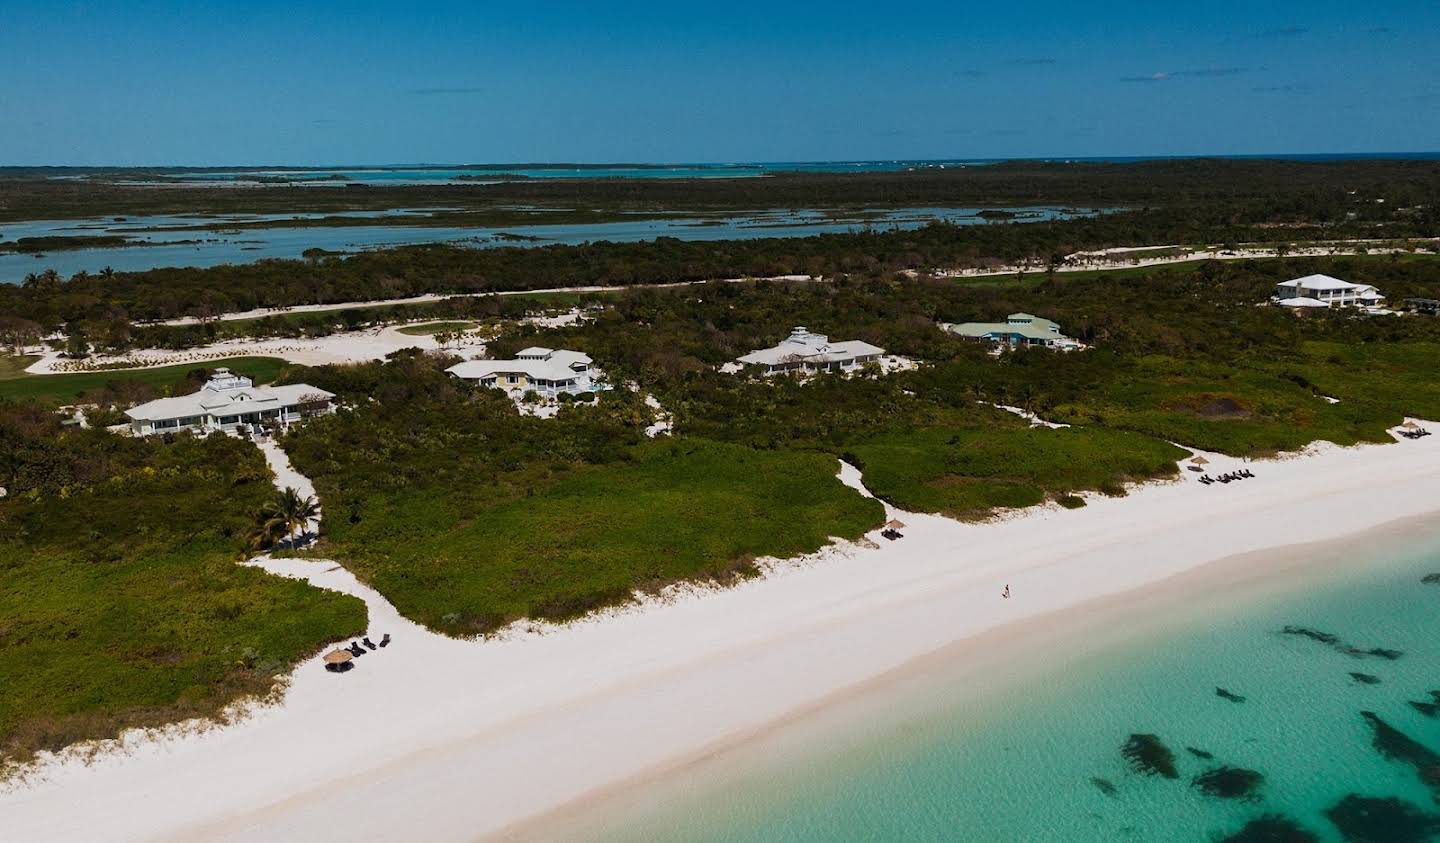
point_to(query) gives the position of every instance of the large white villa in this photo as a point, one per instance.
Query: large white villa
(1018, 329)
(545, 371)
(227, 401)
(1325, 291)
(803, 351)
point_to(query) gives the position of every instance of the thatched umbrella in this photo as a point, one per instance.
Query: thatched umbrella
(1200, 461)
(895, 524)
(1410, 425)
(338, 656)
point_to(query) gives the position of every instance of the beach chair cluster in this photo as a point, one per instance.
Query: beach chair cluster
(1417, 433)
(343, 659)
(1228, 477)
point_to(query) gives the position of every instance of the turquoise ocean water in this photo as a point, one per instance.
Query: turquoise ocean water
(935, 757)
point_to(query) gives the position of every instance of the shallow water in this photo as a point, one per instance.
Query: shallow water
(433, 174)
(934, 758)
(469, 175)
(212, 248)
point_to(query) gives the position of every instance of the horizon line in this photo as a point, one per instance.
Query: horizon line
(1377, 154)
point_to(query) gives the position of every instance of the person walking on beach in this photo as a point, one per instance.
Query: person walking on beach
(1006, 592)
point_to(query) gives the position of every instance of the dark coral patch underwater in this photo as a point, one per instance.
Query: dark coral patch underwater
(1272, 828)
(1230, 783)
(1365, 819)
(1149, 755)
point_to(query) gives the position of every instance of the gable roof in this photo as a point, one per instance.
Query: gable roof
(555, 365)
(803, 346)
(1323, 282)
(1033, 329)
(225, 402)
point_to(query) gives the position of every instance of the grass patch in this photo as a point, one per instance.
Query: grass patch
(969, 473)
(13, 365)
(1261, 408)
(63, 388)
(432, 328)
(121, 603)
(692, 510)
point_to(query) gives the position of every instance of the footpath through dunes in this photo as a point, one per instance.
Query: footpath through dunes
(468, 738)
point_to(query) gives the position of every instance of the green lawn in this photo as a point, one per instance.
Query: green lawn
(681, 510)
(59, 389)
(432, 328)
(968, 473)
(121, 603)
(13, 365)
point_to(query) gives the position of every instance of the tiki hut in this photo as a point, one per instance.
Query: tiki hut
(895, 524)
(338, 657)
(1410, 425)
(1199, 460)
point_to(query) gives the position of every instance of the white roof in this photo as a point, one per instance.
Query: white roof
(1323, 282)
(561, 365)
(543, 370)
(1301, 301)
(226, 401)
(802, 345)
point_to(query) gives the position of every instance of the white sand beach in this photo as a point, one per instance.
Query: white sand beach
(439, 739)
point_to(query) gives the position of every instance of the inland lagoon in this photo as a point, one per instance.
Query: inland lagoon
(1218, 712)
(203, 241)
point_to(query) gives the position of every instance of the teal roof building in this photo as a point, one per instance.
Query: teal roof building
(1018, 329)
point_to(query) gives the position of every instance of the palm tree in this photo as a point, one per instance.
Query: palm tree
(280, 519)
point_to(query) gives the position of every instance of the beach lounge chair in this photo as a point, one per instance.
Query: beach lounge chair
(369, 645)
(385, 642)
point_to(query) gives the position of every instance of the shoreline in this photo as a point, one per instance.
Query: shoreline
(1000, 661)
(474, 738)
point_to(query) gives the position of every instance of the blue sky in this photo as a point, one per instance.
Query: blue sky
(309, 82)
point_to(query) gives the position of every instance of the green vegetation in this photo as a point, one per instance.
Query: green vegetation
(482, 515)
(468, 515)
(1277, 189)
(969, 473)
(67, 388)
(14, 365)
(281, 518)
(1211, 202)
(432, 328)
(38, 245)
(121, 603)
(692, 510)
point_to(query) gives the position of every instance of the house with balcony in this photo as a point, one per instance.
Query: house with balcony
(547, 372)
(805, 352)
(1018, 330)
(1325, 291)
(227, 401)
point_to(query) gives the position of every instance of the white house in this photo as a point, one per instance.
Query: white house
(1325, 291)
(1018, 329)
(546, 371)
(226, 401)
(803, 351)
